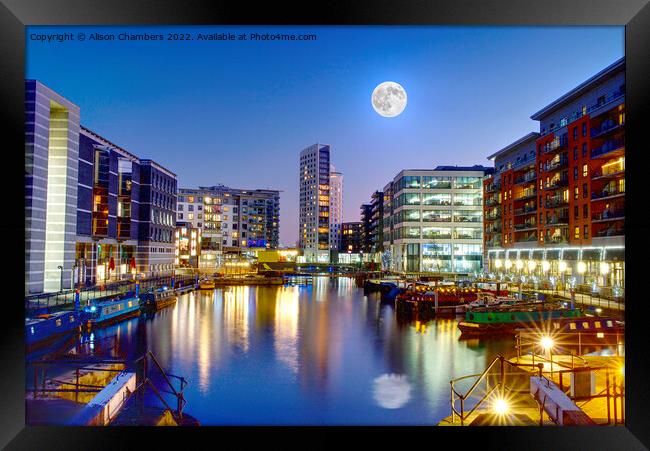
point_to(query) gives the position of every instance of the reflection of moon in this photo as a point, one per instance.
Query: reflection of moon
(389, 99)
(391, 391)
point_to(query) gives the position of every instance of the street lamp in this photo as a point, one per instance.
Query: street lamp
(547, 343)
(61, 286)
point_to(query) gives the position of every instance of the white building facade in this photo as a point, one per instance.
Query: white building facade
(433, 220)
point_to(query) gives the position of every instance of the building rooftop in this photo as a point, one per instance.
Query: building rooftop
(580, 89)
(476, 167)
(532, 136)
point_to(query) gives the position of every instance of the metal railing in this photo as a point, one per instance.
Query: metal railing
(65, 299)
(609, 146)
(501, 387)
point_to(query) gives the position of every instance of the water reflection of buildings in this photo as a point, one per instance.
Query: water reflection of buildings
(235, 316)
(316, 341)
(287, 311)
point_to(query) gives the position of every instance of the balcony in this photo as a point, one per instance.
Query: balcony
(610, 148)
(558, 183)
(558, 221)
(609, 215)
(607, 126)
(493, 228)
(493, 243)
(559, 164)
(527, 194)
(492, 188)
(611, 98)
(555, 202)
(526, 178)
(491, 202)
(526, 239)
(526, 226)
(561, 239)
(611, 231)
(606, 193)
(525, 211)
(556, 145)
(619, 170)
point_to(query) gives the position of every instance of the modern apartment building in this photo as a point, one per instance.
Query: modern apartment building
(187, 246)
(51, 165)
(95, 212)
(433, 220)
(336, 207)
(351, 237)
(555, 206)
(314, 213)
(231, 220)
(157, 219)
(366, 228)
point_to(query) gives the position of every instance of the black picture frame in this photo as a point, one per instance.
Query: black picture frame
(16, 14)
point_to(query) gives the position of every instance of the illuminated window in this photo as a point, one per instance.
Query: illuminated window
(572, 326)
(584, 170)
(576, 232)
(610, 323)
(597, 324)
(585, 325)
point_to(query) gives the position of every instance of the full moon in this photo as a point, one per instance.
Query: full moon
(389, 99)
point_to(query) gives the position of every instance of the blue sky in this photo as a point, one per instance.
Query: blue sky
(239, 113)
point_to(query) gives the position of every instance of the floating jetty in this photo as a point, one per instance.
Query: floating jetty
(91, 385)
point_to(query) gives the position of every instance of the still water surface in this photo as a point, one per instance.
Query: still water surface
(321, 354)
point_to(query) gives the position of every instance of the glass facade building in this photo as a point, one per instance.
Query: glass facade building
(432, 220)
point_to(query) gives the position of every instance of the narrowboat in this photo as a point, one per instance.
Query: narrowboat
(157, 299)
(100, 312)
(44, 328)
(507, 320)
(447, 294)
(495, 288)
(206, 284)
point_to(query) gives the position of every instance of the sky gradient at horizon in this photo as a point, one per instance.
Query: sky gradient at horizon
(239, 113)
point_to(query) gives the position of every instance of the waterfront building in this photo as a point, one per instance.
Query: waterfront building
(335, 210)
(108, 211)
(157, 225)
(232, 221)
(187, 246)
(314, 212)
(366, 228)
(377, 225)
(351, 237)
(94, 212)
(51, 165)
(433, 220)
(555, 206)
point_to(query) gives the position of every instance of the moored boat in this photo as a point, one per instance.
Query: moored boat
(157, 299)
(100, 312)
(44, 328)
(206, 284)
(485, 321)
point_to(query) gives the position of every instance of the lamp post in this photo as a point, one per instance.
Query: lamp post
(61, 282)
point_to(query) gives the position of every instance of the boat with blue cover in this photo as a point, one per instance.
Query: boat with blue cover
(47, 327)
(104, 311)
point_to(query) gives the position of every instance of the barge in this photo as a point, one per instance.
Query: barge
(507, 320)
(102, 312)
(45, 328)
(158, 299)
